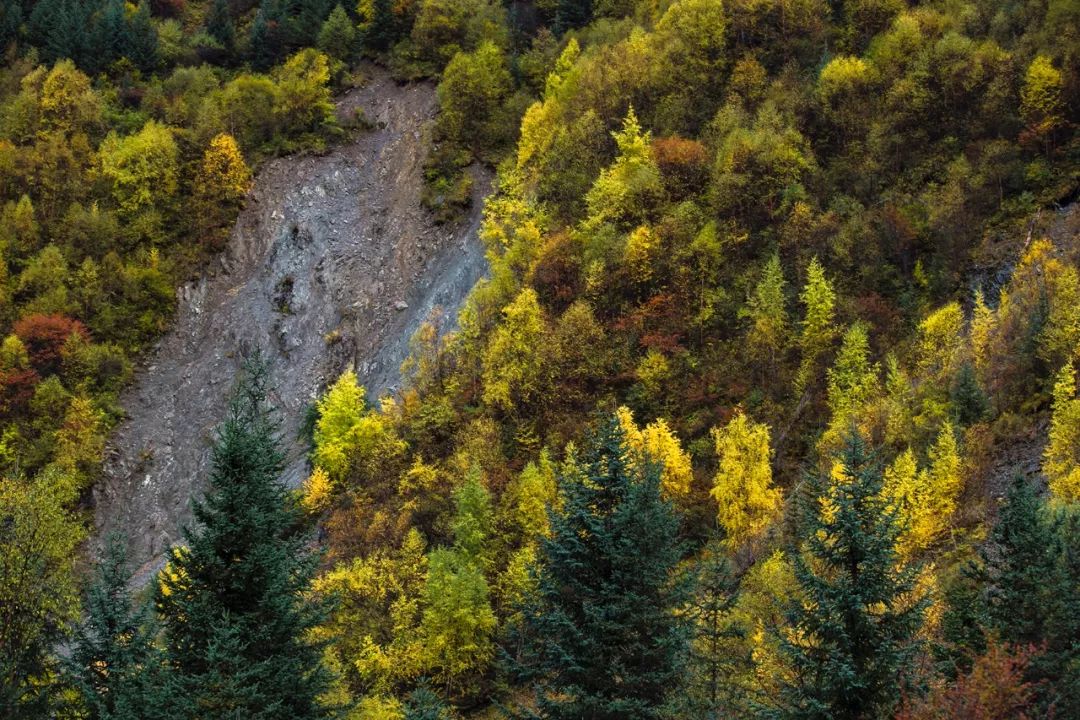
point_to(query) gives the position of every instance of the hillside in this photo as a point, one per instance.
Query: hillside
(333, 263)
(754, 392)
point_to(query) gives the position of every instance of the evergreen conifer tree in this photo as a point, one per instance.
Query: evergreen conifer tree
(337, 36)
(601, 637)
(232, 601)
(853, 625)
(382, 32)
(143, 40)
(60, 29)
(1032, 573)
(219, 25)
(262, 42)
(424, 704)
(111, 37)
(1017, 566)
(114, 663)
(715, 656)
(570, 14)
(970, 404)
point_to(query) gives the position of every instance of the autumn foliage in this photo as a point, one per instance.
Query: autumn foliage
(44, 337)
(994, 689)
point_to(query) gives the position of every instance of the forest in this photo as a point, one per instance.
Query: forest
(767, 406)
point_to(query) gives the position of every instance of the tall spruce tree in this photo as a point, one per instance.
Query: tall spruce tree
(716, 656)
(601, 637)
(382, 32)
(143, 48)
(424, 704)
(570, 14)
(1017, 566)
(852, 627)
(114, 663)
(1031, 569)
(219, 25)
(262, 42)
(233, 601)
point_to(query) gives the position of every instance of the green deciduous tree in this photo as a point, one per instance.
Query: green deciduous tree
(472, 101)
(337, 37)
(351, 437)
(457, 626)
(38, 595)
(767, 311)
(852, 384)
(143, 168)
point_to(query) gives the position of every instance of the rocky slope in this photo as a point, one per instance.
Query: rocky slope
(333, 263)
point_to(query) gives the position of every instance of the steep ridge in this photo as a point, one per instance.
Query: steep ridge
(332, 263)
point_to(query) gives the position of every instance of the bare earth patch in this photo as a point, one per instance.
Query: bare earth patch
(333, 263)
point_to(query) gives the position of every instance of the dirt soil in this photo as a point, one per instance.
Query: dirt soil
(332, 264)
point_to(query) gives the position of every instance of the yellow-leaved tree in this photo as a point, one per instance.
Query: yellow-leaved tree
(631, 186)
(223, 174)
(925, 499)
(818, 326)
(512, 364)
(661, 445)
(746, 500)
(1061, 459)
(853, 384)
(221, 182)
(1042, 104)
(349, 436)
(143, 168)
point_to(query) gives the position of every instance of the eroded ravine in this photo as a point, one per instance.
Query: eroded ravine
(332, 263)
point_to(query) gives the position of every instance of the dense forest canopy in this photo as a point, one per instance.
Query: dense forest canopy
(767, 407)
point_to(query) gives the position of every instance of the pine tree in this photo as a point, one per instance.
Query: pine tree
(262, 43)
(768, 314)
(969, 402)
(142, 39)
(219, 25)
(424, 704)
(570, 14)
(337, 37)
(233, 606)
(1031, 572)
(111, 37)
(715, 657)
(1017, 566)
(382, 32)
(114, 663)
(856, 616)
(600, 637)
(818, 328)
